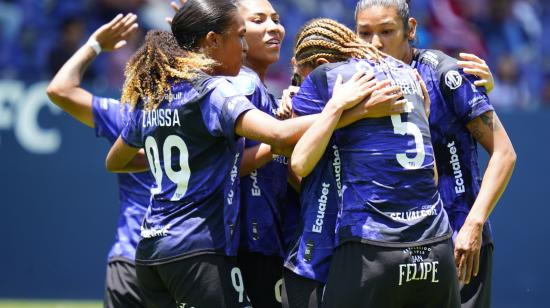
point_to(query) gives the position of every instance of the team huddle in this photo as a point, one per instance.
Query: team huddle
(359, 188)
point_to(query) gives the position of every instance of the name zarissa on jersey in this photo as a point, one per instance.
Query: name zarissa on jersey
(160, 117)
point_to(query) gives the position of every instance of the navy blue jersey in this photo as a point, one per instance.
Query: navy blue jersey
(291, 217)
(194, 155)
(455, 101)
(390, 197)
(134, 195)
(263, 191)
(320, 198)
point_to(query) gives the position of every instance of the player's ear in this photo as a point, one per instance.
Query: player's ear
(212, 40)
(411, 36)
(321, 61)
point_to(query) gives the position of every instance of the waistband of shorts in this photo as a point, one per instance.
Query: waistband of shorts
(429, 241)
(179, 257)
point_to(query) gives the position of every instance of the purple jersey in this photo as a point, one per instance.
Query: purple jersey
(291, 217)
(263, 191)
(194, 156)
(134, 194)
(455, 101)
(320, 199)
(390, 197)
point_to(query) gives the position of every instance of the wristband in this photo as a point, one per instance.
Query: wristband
(94, 44)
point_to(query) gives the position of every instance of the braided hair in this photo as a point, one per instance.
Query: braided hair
(157, 61)
(326, 38)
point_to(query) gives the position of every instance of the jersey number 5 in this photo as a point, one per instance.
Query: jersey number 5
(181, 177)
(409, 128)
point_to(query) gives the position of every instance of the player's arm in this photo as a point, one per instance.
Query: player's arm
(256, 125)
(65, 90)
(311, 147)
(255, 157)
(476, 66)
(125, 158)
(489, 132)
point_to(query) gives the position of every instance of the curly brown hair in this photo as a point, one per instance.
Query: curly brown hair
(159, 58)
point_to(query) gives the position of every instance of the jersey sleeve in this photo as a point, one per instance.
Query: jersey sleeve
(458, 89)
(221, 108)
(132, 132)
(108, 118)
(312, 96)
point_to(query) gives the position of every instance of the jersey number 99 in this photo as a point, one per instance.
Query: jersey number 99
(181, 177)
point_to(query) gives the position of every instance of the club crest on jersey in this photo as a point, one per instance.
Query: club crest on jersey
(453, 80)
(245, 84)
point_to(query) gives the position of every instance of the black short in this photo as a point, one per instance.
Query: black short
(121, 286)
(301, 292)
(363, 275)
(477, 294)
(205, 281)
(263, 278)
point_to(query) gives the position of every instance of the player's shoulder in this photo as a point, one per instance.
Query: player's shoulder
(247, 82)
(436, 60)
(444, 66)
(104, 103)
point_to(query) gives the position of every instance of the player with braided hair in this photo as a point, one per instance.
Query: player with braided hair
(392, 235)
(461, 117)
(307, 266)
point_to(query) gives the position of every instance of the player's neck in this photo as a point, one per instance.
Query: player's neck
(409, 55)
(259, 69)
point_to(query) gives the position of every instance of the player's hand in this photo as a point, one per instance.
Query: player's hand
(176, 9)
(383, 101)
(356, 89)
(113, 35)
(476, 66)
(467, 251)
(425, 94)
(285, 108)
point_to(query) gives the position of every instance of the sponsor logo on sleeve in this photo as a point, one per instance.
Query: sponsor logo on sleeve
(323, 199)
(453, 80)
(457, 171)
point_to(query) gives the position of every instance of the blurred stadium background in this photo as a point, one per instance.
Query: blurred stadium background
(59, 205)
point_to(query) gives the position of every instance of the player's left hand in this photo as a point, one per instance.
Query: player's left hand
(467, 251)
(474, 65)
(285, 108)
(348, 94)
(176, 9)
(113, 35)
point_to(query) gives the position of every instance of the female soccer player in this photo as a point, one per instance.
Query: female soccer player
(188, 123)
(393, 236)
(461, 116)
(264, 181)
(106, 117)
(309, 259)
